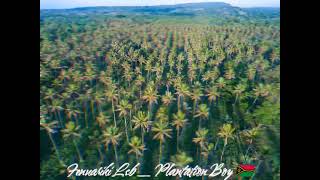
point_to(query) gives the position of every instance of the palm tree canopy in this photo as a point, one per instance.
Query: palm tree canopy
(150, 95)
(203, 111)
(181, 159)
(201, 136)
(48, 126)
(71, 131)
(167, 98)
(136, 146)
(179, 119)
(102, 119)
(124, 107)
(141, 120)
(226, 131)
(161, 131)
(212, 93)
(111, 135)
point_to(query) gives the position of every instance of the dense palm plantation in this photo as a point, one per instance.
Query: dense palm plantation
(116, 90)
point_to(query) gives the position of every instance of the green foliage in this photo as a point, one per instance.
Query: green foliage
(188, 88)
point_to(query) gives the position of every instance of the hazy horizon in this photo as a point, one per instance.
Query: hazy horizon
(62, 4)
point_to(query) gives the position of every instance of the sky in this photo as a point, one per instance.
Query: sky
(62, 4)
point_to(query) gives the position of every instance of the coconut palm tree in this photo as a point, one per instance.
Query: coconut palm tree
(251, 72)
(260, 90)
(167, 98)
(148, 68)
(99, 99)
(230, 74)
(201, 138)
(161, 133)
(150, 96)
(238, 91)
(221, 83)
(56, 107)
(206, 150)
(141, 121)
(182, 91)
(139, 82)
(49, 128)
(95, 140)
(196, 96)
(249, 135)
(102, 120)
(112, 95)
(202, 113)
(71, 111)
(72, 132)
(181, 160)
(212, 94)
(49, 94)
(162, 114)
(111, 135)
(179, 120)
(136, 147)
(123, 109)
(226, 132)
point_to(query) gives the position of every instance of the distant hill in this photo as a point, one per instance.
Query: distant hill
(188, 9)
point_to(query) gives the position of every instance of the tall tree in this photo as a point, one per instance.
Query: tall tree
(161, 133)
(141, 121)
(72, 132)
(112, 136)
(226, 132)
(179, 120)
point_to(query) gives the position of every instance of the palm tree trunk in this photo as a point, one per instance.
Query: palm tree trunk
(235, 100)
(199, 124)
(194, 107)
(99, 107)
(252, 104)
(125, 124)
(177, 139)
(78, 151)
(150, 104)
(197, 152)
(257, 168)
(177, 177)
(160, 152)
(100, 153)
(182, 102)
(224, 107)
(215, 147)
(77, 120)
(55, 113)
(55, 148)
(116, 156)
(137, 158)
(130, 117)
(224, 147)
(178, 103)
(114, 115)
(142, 135)
(59, 115)
(85, 115)
(200, 153)
(92, 109)
(247, 151)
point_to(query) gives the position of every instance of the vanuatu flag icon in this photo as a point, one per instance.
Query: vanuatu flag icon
(245, 170)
